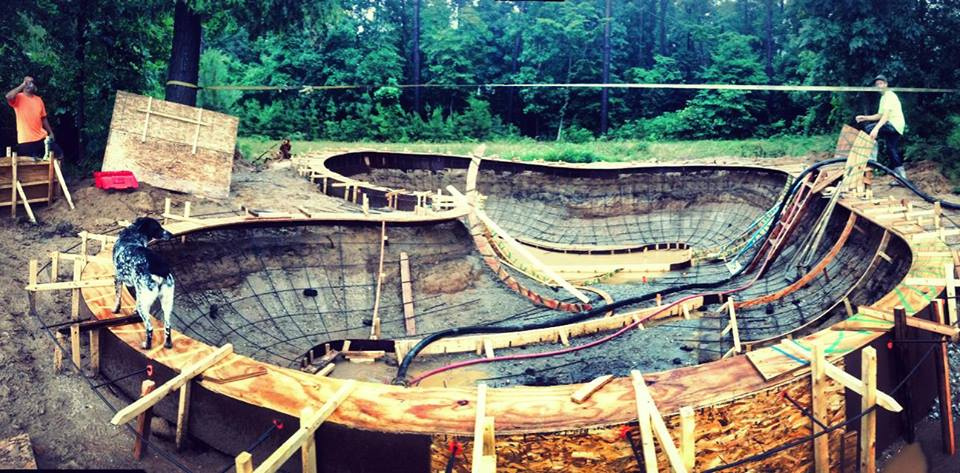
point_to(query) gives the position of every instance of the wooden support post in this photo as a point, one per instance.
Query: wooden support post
(183, 414)
(656, 422)
(375, 325)
(308, 451)
(732, 327)
(305, 434)
(186, 216)
(244, 463)
(166, 209)
(818, 380)
(127, 413)
(32, 282)
(406, 293)
(951, 288)
(484, 454)
(50, 178)
(54, 266)
(947, 433)
(63, 184)
(900, 361)
(868, 422)
(13, 186)
(688, 437)
(58, 352)
(94, 350)
(75, 314)
(143, 421)
(26, 203)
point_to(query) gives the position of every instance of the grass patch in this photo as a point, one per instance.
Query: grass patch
(593, 151)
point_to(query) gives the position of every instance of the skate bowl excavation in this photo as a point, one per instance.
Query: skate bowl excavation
(693, 296)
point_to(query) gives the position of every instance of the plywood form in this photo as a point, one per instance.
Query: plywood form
(174, 146)
(765, 418)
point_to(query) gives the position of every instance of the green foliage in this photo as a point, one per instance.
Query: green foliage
(82, 51)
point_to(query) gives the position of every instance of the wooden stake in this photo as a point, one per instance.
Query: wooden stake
(32, 282)
(951, 288)
(26, 203)
(63, 184)
(406, 293)
(183, 414)
(868, 422)
(942, 361)
(244, 463)
(821, 444)
(687, 437)
(54, 266)
(482, 433)
(308, 451)
(143, 421)
(13, 186)
(656, 422)
(375, 326)
(58, 353)
(166, 209)
(75, 314)
(900, 361)
(94, 350)
(186, 216)
(308, 427)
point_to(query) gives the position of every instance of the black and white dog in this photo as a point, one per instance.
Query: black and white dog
(143, 270)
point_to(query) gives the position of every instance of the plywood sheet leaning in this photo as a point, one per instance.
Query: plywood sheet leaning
(172, 146)
(863, 149)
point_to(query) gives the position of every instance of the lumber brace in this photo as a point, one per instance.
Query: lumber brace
(846, 379)
(303, 438)
(140, 405)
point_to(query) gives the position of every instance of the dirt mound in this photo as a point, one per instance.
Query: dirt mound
(927, 176)
(448, 277)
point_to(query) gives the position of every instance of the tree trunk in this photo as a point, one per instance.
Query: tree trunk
(768, 40)
(80, 54)
(664, 48)
(512, 93)
(416, 56)
(184, 56)
(605, 92)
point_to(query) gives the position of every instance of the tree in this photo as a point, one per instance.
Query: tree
(605, 92)
(184, 66)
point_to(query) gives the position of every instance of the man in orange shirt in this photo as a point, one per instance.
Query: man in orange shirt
(32, 125)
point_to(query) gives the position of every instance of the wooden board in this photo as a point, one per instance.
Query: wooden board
(172, 153)
(16, 453)
(765, 418)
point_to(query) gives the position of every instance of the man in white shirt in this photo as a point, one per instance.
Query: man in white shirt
(887, 124)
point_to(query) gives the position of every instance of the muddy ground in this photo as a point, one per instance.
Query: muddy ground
(68, 423)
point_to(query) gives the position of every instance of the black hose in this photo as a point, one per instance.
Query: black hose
(477, 329)
(909, 185)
